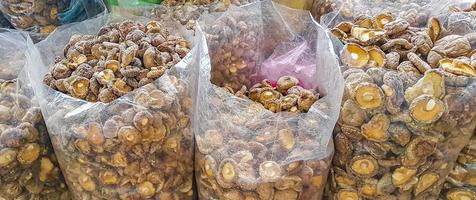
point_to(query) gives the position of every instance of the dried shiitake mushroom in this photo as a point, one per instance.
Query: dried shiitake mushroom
(426, 109)
(34, 16)
(287, 96)
(365, 166)
(406, 108)
(137, 142)
(354, 55)
(368, 96)
(117, 67)
(28, 165)
(233, 164)
(457, 67)
(457, 194)
(376, 128)
(432, 83)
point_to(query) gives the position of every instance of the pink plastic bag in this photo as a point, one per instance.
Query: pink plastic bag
(293, 59)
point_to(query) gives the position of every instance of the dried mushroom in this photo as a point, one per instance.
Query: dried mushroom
(406, 108)
(382, 19)
(433, 83)
(425, 182)
(119, 72)
(458, 194)
(426, 109)
(36, 16)
(269, 170)
(354, 55)
(434, 29)
(368, 96)
(457, 67)
(347, 195)
(286, 96)
(249, 166)
(377, 57)
(137, 142)
(376, 128)
(461, 181)
(28, 164)
(365, 166)
(403, 175)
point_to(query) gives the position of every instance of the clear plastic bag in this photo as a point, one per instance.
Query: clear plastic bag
(321, 8)
(28, 165)
(187, 12)
(460, 182)
(41, 17)
(12, 48)
(138, 146)
(294, 59)
(243, 150)
(458, 18)
(416, 12)
(408, 108)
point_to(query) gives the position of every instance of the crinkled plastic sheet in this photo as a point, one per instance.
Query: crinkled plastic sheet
(240, 121)
(321, 8)
(171, 157)
(41, 17)
(458, 23)
(28, 167)
(12, 47)
(294, 59)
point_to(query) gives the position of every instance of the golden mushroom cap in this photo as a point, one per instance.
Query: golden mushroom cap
(355, 55)
(426, 109)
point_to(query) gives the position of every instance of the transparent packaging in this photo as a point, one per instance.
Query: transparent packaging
(244, 151)
(460, 181)
(138, 146)
(41, 17)
(409, 102)
(416, 12)
(321, 8)
(28, 164)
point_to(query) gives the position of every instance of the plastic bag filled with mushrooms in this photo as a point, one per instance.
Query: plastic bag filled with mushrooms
(183, 12)
(271, 141)
(416, 12)
(41, 17)
(409, 105)
(188, 12)
(117, 98)
(28, 165)
(460, 183)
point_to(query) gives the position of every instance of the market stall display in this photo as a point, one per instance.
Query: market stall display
(273, 140)
(117, 102)
(409, 106)
(238, 99)
(28, 165)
